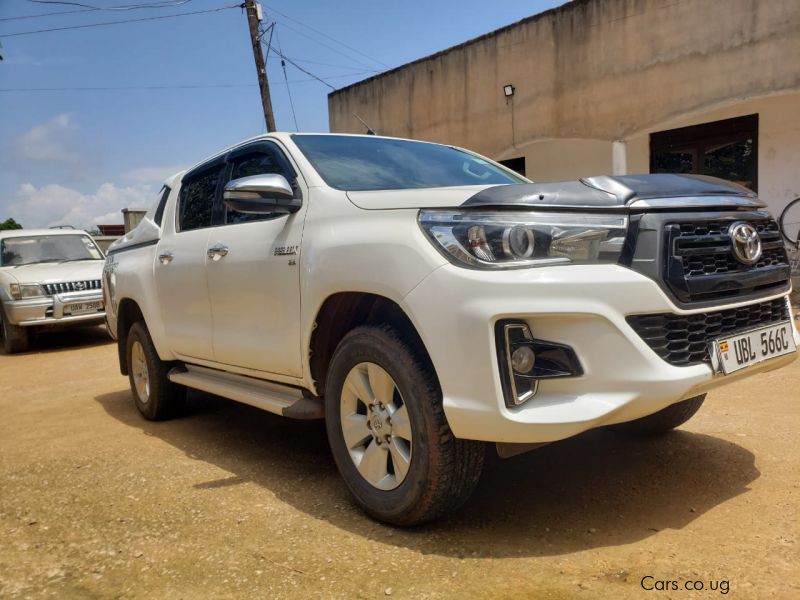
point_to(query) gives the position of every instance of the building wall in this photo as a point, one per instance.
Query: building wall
(594, 71)
(778, 148)
(778, 144)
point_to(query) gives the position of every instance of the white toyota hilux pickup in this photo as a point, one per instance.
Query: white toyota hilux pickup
(424, 300)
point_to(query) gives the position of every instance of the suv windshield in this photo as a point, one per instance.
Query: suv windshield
(373, 163)
(15, 251)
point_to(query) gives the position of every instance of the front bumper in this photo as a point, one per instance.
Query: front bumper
(585, 307)
(53, 310)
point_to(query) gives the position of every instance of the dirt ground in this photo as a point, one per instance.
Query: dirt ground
(233, 502)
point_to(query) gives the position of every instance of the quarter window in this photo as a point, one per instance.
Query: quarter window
(197, 200)
(162, 202)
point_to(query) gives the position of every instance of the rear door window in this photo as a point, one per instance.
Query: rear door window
(196, 202)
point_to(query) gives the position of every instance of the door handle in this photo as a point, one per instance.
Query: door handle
(217, 252)
(166, 257)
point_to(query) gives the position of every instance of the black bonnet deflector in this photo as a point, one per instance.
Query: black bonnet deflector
(603, 192)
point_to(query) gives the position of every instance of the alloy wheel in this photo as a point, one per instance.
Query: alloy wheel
(141, 375)
(376, 426)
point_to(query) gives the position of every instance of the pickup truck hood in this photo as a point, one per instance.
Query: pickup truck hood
(54, 272)
(619, 193)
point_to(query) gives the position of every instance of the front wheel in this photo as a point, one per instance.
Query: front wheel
(15, 338)
(156, 397)
(664, 420)
(388, 433)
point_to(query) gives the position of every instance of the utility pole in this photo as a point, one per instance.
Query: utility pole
(253, 17)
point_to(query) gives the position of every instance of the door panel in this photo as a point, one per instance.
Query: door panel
(254, 289)
(255, 295)
(180, 267)
(183, 293)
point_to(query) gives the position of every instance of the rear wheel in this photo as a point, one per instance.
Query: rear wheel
(156, 397)
(664, 420)
(15, 338)
(388, 433)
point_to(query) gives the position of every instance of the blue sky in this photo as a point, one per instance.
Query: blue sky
(79, 156)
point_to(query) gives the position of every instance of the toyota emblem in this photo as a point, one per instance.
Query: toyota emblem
(80, 286)
(745, 243)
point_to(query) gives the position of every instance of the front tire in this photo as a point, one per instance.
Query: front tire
(664, 420)
(156, 397)
(388, 432)
(15, 338)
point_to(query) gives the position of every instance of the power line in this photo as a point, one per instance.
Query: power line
(328, 46)
(325, 64)
(50, 14)
(155, 4)
(291, 62)
(91, 8)
(322, 33)
(288, 89)
(184, 14)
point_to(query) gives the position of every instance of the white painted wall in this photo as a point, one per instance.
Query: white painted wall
(778, 144)
(558, 159)
(778, 149)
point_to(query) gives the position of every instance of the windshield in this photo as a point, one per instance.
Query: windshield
(373, 163)
(15, 251)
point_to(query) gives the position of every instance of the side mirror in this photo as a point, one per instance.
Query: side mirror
(261, 194)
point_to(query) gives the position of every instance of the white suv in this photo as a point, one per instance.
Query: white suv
(48, 278)
(425, 300)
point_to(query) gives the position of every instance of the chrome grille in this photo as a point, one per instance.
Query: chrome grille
(700, 265)
(71, 286)
(682, 340)
(706, 247)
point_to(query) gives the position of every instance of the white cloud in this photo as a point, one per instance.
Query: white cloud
(49, 142)
(54, 204)
(151, 175)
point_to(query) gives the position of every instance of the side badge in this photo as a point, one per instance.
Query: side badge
(285, 250)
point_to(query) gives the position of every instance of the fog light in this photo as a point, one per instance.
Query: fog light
(523, 359)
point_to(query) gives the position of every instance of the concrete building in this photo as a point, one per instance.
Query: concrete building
(610, 86)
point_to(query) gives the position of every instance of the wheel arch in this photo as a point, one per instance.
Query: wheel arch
(344, 311)
(128, 313)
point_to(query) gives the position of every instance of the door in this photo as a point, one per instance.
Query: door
(254, 277)
(180, 267)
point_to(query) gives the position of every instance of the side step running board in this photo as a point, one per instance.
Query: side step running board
(273, 397)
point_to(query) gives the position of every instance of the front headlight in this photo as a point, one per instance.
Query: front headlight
(25, 290)
(508, 240)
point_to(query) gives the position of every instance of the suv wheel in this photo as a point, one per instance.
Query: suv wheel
(388, 433)
(15, 338)
(156, 397)
(664, 420)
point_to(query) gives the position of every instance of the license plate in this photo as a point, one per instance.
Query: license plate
(750, 348)
(81, 308)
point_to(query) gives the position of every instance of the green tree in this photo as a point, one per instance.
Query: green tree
(10, 224)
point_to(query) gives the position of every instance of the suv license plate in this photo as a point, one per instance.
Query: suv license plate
(81, 308)
(746, 349)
